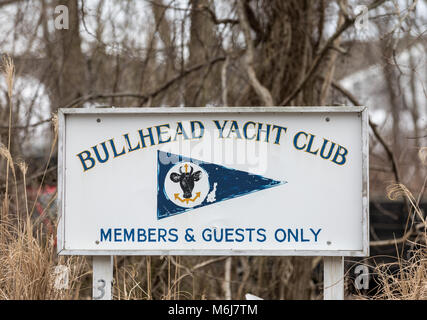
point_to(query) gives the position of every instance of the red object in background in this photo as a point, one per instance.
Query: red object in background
(45, 207)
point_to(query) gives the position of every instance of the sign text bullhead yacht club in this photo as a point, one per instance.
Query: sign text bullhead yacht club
(226, 129)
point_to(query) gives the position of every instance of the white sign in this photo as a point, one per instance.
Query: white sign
(213, 181)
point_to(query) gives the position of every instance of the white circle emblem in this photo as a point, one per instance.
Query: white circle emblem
(186, 184)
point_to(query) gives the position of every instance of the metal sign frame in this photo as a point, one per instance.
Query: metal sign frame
(361, 111)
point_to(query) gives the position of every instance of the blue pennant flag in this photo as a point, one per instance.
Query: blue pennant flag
(185, 184)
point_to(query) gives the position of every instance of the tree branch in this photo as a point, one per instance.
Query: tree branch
(6, 2)
(374, 128)
(349, 21)
(381, 140)
(143, 97)
(389, 242)
(215, 20)
(263, 93)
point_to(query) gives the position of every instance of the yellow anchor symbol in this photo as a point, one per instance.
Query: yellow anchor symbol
(177, 197)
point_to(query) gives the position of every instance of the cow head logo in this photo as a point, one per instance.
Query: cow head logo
(187, 184)
(186, 179)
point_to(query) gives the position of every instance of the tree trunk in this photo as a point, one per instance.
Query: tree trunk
(202, 47)
(69, 65)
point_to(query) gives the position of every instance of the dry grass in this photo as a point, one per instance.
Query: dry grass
(8, 71)
(406, 278)
(408, 283)
(28, 259)
(27, 266)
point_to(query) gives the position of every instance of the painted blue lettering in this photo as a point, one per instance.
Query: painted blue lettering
(280, 235)
(143, 136)
(315, 233)
(239, 233)
(206, 234)
(261, 233)
(160, 132)
(180, 131)
(104, 147)
(117, 235)
(342, 155)
(193, 129)
(141, 235)
(105, 236)
(88, 158)
(130, 148)
(267, 132)
(234, 128)
(322, 150)
(294, 235)
(173, 234)
(113, 146)
(229, 235)
(129, 235)
(279, 131)
(302, 237)
(220, 128)
(296, 140)
(310, 143)
(245, 130)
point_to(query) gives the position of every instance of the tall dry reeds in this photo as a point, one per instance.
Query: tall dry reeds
(406, 278)
(29, 265)
(408, 283)
(8, 70)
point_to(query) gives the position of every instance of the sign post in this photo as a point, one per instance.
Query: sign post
(333, 278)
(102, 278)
(266, 181)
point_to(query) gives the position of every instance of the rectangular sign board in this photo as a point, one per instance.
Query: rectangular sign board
(213, 181)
